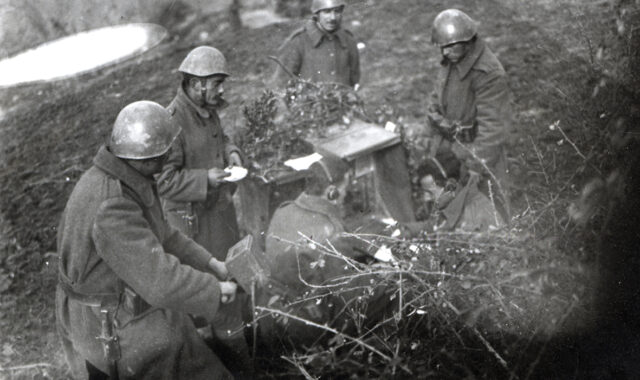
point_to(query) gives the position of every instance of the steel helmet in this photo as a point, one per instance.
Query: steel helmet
(452, 26)
(204, 61)
(318, 5)
(332, 168)
(143, 129)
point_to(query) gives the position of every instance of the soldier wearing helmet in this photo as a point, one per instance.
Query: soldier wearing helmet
(126, 278)
(321, 50)
(470, 109)
(319, 214)
(195, 197)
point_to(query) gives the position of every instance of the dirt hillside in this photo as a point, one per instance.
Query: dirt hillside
(567, 62)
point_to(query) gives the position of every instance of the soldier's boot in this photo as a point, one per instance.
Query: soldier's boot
(233, 350)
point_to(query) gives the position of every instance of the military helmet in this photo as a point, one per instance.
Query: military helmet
(142, 130)
(318, 5)
(452, 26)
(204, 61)
(333, 169)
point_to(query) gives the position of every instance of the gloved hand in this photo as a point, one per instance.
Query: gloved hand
(218, 268)
(215, 176)
(228, 291)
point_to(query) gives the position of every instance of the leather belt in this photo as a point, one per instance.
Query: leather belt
(95, 300)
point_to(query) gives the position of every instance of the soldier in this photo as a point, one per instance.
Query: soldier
(196, 198)
(321, 50)
(471, 112)
(127, 279)
(298, 267)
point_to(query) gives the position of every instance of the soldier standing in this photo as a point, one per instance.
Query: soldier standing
(321, 50)
(471, 111)
(127, 279)
(196, 198)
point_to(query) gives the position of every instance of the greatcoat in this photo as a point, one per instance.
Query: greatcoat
(312, 54)
(474, 91)
(298, 265)
(113, 240)
(204, 213)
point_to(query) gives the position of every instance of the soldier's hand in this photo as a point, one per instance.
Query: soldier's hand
(218, 268)
(433, 120)
(215, 176)
(228, 291)
(235, 159)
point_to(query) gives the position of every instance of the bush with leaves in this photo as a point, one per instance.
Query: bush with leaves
(464, 305)
(276, 125)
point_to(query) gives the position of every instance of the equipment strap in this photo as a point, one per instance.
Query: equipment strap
(94, 300)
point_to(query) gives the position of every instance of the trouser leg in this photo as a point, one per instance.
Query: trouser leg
(228, 340)
(94, 373)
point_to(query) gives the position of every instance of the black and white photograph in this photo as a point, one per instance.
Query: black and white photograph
(319, 189)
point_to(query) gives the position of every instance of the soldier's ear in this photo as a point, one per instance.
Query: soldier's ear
(333, 193)
(194, 82)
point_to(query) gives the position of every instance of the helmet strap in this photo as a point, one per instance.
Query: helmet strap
(203, 91)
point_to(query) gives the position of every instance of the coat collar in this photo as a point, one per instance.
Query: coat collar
(470, 59)
(195, 108)
(319, 205)
(316, 34)
(117, 168)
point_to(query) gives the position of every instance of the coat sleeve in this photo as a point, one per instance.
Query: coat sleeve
(291, 57)
(231, 148)
(354, 63)
(350, 246)
(186, 250)
(179, 184)
(492, 115)
(298, 266)
(124, 240)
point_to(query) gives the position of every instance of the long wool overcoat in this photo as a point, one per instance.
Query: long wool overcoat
(112, 236)
(201, 212)
(295, 234)
(311, 54)
(475, 91)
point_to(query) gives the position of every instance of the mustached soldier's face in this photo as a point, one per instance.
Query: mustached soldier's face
(208, 90)
(330, 19)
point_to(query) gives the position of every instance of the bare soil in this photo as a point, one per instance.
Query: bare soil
(49, 133)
